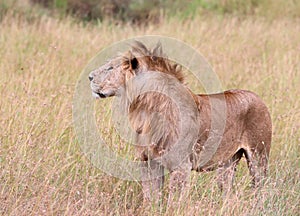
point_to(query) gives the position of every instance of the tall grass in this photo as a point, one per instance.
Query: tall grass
(43, 171)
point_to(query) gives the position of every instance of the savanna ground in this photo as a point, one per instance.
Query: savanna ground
(42, 169)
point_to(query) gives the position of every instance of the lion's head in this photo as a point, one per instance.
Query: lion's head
(110, 78)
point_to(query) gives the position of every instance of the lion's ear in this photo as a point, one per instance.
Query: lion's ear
(134, 64)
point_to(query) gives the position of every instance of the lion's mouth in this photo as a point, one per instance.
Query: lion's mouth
(98, 95)
(101, 95)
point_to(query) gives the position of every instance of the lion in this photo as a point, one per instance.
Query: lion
(247, 131)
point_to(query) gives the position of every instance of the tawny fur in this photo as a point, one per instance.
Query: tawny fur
(247, 126)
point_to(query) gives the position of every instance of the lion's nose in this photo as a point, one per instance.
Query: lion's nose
(91, 78)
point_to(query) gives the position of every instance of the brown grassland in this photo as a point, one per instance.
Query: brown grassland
(42, 169)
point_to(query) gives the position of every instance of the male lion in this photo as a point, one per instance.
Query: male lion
(247, 125)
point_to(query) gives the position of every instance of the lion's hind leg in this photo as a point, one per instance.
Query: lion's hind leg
(226, 172)
(257, 164)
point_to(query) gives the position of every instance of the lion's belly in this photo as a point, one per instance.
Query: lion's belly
(217, 159)
(209, 155)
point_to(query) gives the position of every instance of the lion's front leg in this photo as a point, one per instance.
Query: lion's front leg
(152, 183)
(178, 187)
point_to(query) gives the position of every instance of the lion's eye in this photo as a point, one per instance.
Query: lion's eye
(110, 68)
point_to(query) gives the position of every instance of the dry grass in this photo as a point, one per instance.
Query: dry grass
(42, 170)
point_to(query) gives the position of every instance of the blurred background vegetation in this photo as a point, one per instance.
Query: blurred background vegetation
(145, 11)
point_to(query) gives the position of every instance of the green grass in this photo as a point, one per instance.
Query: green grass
(42, 169)
(142, 11)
